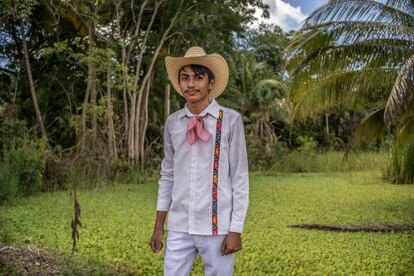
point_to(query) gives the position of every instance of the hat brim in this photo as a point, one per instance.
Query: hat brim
(216, 63)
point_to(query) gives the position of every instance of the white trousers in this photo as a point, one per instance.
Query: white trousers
(182, 248)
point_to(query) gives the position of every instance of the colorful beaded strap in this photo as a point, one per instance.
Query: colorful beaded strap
(215, 173)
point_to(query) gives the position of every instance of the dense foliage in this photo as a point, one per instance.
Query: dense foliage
(359, 54)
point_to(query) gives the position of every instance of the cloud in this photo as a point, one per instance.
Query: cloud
(282, 14)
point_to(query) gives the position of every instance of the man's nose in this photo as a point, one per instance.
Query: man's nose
(190, 82)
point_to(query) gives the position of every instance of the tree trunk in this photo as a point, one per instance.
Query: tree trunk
(111, 130)
(16, 88)
(31, 83)
(327, 126)
(133, 143)
(90, 94)
(124, 138)
(92, 80)
(132, 131)
(167, 104)
(137, 126)
(83, 117)
(144, 124)
(124, 57)
(134, 126)
(124, 63)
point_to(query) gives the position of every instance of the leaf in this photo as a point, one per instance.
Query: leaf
(401, 98)
(405, 131)
(371, 128)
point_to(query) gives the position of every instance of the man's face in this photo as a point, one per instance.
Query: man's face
(195, 87)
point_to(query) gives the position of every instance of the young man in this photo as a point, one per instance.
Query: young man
(204, 185)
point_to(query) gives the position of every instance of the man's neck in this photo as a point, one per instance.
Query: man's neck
(198, 107)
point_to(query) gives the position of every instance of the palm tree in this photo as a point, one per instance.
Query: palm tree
(358, 53)
(256, 92)
(261, 97)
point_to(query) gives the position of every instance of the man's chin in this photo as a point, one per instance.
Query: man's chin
(192, 98)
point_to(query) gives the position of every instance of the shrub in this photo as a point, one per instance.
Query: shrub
(21, 169)
(307, 144)
(401, 165)
(263, 155)
(300, 160)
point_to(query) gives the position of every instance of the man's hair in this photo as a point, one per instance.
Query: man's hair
(199, 70)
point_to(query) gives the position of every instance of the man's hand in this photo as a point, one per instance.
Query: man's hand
(156, 243)
(156, 240)
(231, 243)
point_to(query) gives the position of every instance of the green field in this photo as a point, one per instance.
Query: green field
(118, 223)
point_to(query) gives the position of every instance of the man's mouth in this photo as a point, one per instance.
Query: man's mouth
(191, 92)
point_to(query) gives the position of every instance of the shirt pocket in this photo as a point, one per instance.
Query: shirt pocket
(224, 159)
(224, 142)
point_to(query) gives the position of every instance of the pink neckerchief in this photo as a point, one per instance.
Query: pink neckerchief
(197, 130)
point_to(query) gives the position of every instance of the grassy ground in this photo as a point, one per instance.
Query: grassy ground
(118, 222)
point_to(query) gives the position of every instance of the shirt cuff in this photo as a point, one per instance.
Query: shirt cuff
(163, 205)
(236, 226)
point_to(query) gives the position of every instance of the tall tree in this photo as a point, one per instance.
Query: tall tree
(357, 52)
(267, 44)
(260, 95)
(30, 78)
(20, 12)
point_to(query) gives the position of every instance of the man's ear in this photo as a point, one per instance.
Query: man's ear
(212, 82)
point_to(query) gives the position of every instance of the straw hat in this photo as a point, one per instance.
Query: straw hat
(196, 55)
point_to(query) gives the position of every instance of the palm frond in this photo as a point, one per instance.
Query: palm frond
(311, 47)
(333, 46)
(268, 83)
(347, 89)
(407, 6)
(359, 10)
(354, 31)
(401, 97)
(349, 57)
(371, 128)
(405, 130)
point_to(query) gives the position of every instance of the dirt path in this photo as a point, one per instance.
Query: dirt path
(27, 261)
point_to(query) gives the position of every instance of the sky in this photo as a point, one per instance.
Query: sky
(289, 14)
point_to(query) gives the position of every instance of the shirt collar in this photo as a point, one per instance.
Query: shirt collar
(212, 108)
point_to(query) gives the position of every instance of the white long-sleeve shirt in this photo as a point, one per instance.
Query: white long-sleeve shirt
(186, 183)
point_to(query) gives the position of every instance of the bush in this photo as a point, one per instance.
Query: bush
(263, 155)
(307, 144)
(401, 165)
(21, 169)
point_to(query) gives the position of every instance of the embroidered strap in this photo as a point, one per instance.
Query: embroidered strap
(215, 173)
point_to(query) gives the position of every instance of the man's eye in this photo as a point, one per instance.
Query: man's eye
(183, 78)
(199, 77)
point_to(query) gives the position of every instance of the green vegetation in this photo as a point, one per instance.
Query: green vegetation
(21, 170)
(401, 169)
(359, 55)
(118, 221)
(331, 161)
